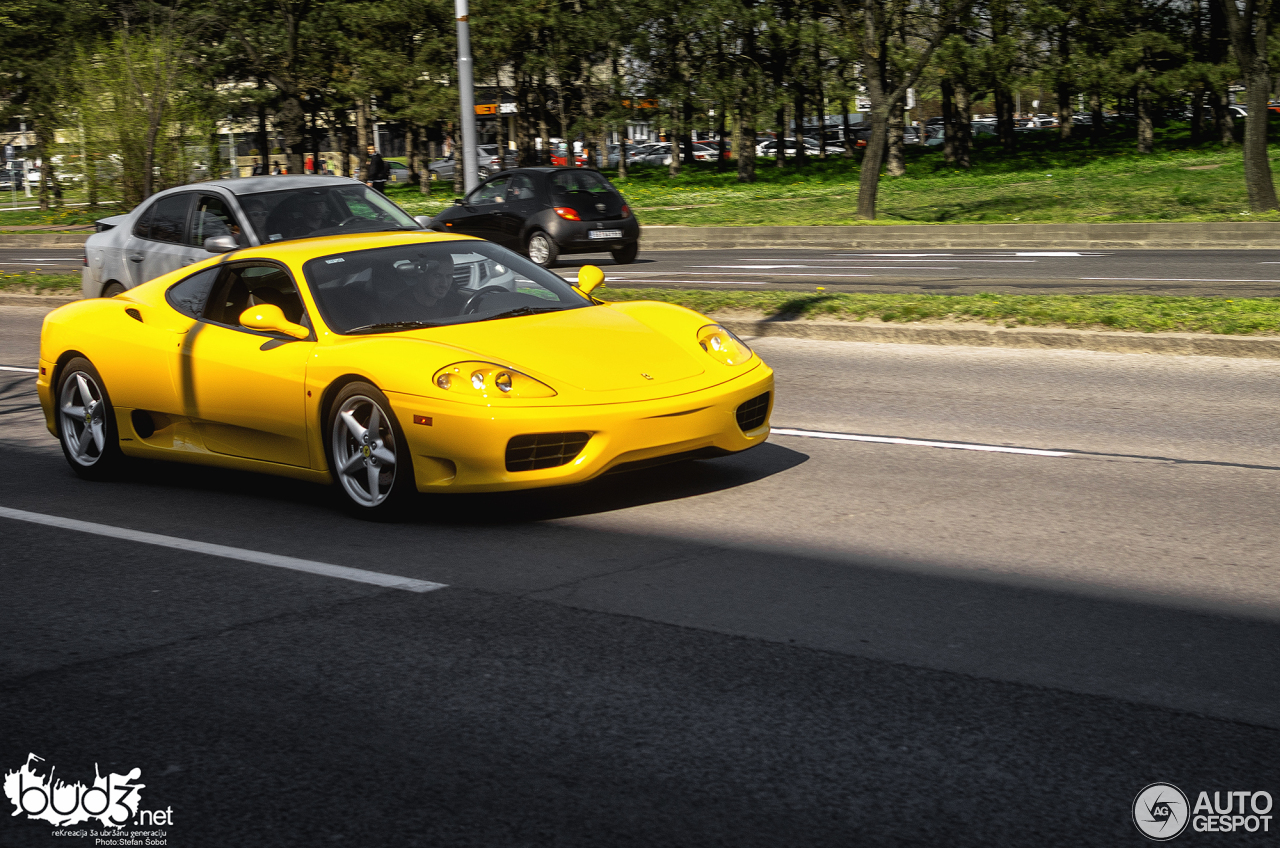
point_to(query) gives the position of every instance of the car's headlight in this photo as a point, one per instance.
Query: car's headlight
(487, 380)
(723, 345)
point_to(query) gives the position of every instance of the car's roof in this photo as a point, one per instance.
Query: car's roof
(302, 249)
(283, 182)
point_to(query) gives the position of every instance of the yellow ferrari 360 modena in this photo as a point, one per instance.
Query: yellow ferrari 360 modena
(394, 363)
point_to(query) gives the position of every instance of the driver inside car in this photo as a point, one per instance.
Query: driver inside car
(430, 292)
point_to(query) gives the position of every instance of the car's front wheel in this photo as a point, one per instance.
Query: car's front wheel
(87, 422)
(542, 249)
(626, 255)
(368, 454)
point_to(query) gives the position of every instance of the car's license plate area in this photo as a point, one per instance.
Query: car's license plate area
(604, 234)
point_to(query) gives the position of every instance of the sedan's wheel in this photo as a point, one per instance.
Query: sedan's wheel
(482, 173)
(543, 250)
(626, 255)
(86, 422)
(112, 290)
(368, 453)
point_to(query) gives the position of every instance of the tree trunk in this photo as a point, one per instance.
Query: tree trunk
(872, 159)
(362, 138)
(848, 137)
(722, 161)
(1146, 132)
(1097, 123)
(895, 148)
(964, 124)
(950, 136)
(263, 145)
(744, 141)
(290, 121)
(686, 133)
(780, 153)
(1197, 114)
(1065, 109)
(622, 155)
(1004, 118)
(673, 142)
(802, 154)
(1257, 166)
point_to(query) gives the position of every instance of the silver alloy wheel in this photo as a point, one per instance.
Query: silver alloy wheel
(364, 450)
(539, 250)
(84, 430)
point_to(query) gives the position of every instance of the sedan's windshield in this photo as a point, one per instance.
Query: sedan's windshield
(430, 284)
(322, 211)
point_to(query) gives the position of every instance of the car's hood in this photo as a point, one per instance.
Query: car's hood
(594, 349)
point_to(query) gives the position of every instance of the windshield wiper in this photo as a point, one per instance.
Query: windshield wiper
(521, 310)
(392, 325)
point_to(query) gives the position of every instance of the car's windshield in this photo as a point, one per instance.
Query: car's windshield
(432, 283)
(322, 211)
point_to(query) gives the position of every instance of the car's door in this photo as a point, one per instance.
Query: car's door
(212, 217)
(522, 202)
(244, 389)
(482, 211)
(157, 244)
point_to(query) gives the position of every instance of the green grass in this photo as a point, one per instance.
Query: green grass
(1134, 313)
(32, 282)
(1045, 181)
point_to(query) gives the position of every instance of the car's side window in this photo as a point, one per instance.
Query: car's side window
(189, 296)
(521, 188)
(142, 229)
(490, 193)
(243, 285)
(169, 218)
(212, 218)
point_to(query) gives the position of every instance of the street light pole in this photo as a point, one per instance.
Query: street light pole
(467, 95)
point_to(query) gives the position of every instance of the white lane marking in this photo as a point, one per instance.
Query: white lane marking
(51, 259)
(694, 282)
(923, 443)
(826, 268)
(324, 569)
(16, 368)
(1059, 253)
(1176, 280)
(755, 274)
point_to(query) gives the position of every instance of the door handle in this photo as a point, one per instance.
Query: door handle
(136, 257)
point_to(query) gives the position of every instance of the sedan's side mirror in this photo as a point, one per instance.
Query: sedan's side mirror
(590, 278)
(221, 244)
(459, 201)
(423, 221)
(267, 317)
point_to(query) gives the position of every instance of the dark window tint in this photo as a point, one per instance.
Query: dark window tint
(213, 218)
(189, 296)
(142, 229)
(169, 222)
(243, 286)
(572, 182)
(490, 193)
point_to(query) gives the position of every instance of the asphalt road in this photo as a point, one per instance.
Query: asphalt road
(1228, 273)
(818, 642)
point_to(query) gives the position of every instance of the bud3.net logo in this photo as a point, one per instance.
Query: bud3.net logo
(1161, 812)
(113, 800)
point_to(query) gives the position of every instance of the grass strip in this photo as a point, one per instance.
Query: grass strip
(30, 282)
(1133, 313)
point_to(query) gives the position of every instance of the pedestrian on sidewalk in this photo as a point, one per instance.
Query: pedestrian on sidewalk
(376, 171)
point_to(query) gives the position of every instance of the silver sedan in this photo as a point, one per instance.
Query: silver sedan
(184, 225)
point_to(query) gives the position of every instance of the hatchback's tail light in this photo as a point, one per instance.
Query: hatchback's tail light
(626, 211)
(86, 259)
(567, 213)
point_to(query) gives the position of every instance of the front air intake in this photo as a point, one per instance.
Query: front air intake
(753, 413)
(544, 450)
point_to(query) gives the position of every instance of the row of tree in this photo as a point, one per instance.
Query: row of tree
(134, 82)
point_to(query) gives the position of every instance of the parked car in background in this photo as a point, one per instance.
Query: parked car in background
(547, 212)
(486, 163)
(654, 153)
(398, 172)
(616, 149)
(191, 223)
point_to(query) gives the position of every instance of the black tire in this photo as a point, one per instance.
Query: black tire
(482, 173)
(113, 289)
(90, 441)
(395, 487)
(626, 255)
(542, 249)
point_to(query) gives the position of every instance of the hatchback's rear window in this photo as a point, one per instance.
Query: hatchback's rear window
(588, 181)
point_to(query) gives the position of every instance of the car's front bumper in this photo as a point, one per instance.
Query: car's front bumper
(464, 447)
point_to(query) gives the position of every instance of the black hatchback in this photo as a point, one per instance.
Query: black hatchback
(546, 212)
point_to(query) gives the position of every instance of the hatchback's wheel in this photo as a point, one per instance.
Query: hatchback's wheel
(626, 255)
(87, 422)
(112, 290)
(543, 250)
(368, 453)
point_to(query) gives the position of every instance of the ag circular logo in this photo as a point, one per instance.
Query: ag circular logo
(1160, 812)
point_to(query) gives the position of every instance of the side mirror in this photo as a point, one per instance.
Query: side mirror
(268, 318)
(423, 221)
(221, 244)
(459, 201)
(590, 278)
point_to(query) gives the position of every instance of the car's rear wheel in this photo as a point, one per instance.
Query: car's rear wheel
(113, 289)
(368, 454)
(543, 250)
(87, 422)
(626, 255)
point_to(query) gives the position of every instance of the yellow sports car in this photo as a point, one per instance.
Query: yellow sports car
(391, 363)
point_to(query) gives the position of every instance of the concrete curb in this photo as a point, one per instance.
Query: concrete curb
(1223, 235)
(43, 239)
(1027, 338)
